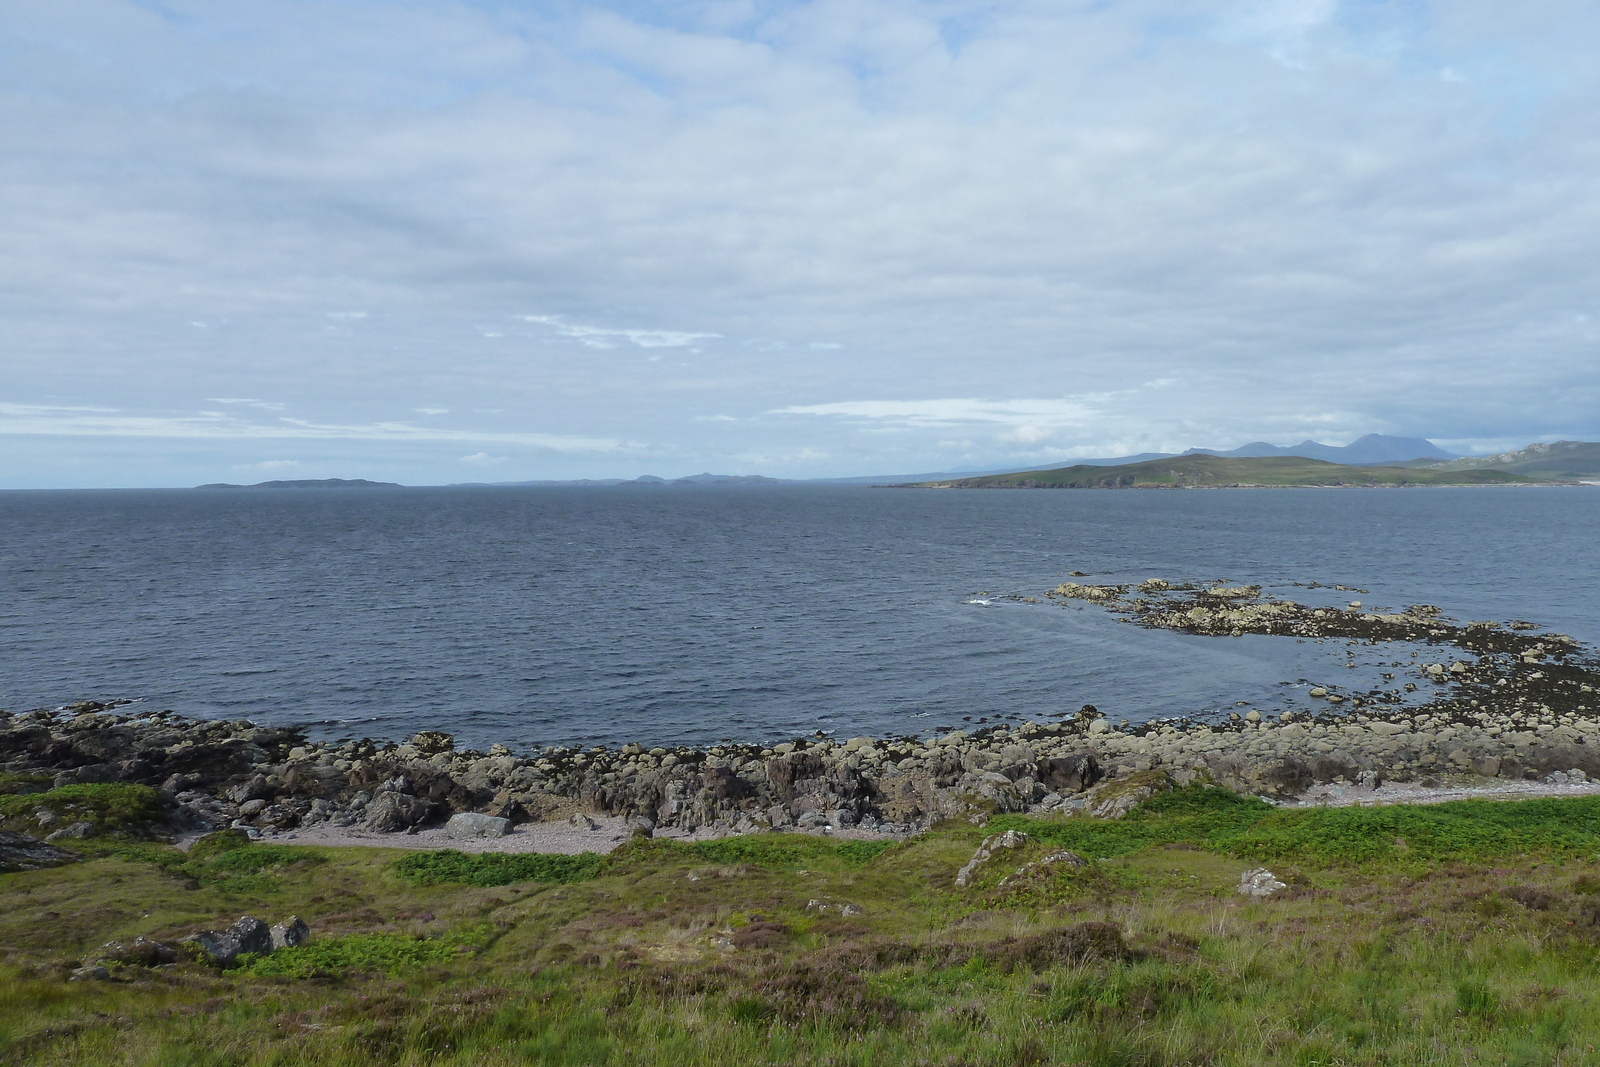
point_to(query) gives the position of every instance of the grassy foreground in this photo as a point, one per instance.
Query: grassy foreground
(1458, 933)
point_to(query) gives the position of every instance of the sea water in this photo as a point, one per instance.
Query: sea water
(696, 614)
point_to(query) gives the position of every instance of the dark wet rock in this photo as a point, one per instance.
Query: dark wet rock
(21, 852)
(726, 785)
(1069, 774)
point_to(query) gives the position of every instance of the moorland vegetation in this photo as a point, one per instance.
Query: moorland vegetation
(1454, 933)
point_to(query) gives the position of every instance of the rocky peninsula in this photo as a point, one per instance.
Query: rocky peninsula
(1484, 703)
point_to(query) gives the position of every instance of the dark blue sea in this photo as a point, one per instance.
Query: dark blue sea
(555, 615)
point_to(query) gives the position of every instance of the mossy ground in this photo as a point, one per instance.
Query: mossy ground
(1455, 934)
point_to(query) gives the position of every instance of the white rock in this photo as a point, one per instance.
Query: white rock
(991, 844)
(1260, 882)
(470, 824)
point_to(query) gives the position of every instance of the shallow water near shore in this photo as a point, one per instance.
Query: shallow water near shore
(689, 615)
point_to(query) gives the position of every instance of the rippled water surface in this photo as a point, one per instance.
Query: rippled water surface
(695, 614)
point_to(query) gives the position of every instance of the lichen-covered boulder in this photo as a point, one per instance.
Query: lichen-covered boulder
(223, 948)
(289, 933)
(471, 824)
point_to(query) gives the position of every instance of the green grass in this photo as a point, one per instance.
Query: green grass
(1410, 836)
(1476, 941)
(447, 866)
(226, 858)
(1196, 815)
(783, 852)
(1460, 831)
(385, 954)
(112, 808)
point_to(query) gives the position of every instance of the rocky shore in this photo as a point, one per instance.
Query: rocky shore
(1492, 701)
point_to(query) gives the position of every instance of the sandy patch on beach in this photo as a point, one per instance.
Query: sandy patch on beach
(1349, 796)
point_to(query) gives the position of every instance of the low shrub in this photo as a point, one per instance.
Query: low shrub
(214, 844)
(447, 866)
(388, 954)
(785, 852)
(112, 807)
(24, 782)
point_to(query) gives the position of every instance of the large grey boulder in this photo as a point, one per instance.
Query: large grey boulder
(247, 934)
(1069, 774)
(391, 811)
(19, 852)
(289, 933)
(470, 824)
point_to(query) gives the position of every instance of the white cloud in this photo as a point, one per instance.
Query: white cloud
(1291, 211)
(943, 413)
(264, 405)
(26, 419)
(599, 337)
(483, 459)
(431, 411)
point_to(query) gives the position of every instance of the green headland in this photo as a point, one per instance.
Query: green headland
(1203, 471)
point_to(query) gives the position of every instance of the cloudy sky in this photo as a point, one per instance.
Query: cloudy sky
(458, 241)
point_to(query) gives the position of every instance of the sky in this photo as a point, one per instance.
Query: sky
(437, 242)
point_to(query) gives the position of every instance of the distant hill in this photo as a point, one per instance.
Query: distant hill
(1202, 470)
(1375, 449)
(308, 483)
(727, 479)
(643, 479)
(1563, 460)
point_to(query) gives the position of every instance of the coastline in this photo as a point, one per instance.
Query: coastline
(1506, 710)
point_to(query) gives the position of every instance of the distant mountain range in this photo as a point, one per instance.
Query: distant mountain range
(1202, 470)
(643, 479)
(1560, 461)
(1374, 448)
